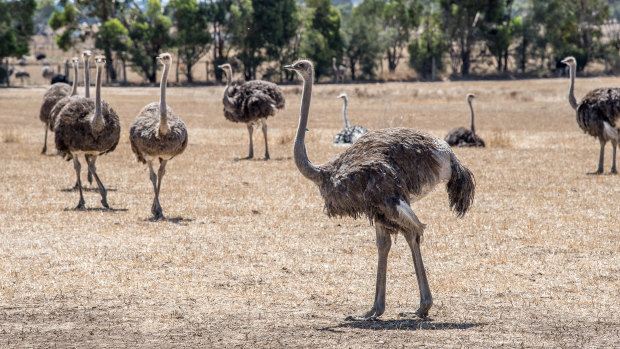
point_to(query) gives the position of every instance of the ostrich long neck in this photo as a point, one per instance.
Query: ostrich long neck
(301, 157)
(163, 115)
(97, 123)
(471, 109)
(86, 78)
(75, 76)
(344, 112)
(228, 104)
(571, 91)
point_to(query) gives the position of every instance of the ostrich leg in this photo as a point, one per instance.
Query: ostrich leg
(384, 243)
(250, 131)
(160, 173)
(90, 173)
(614, 145)
(156, 208)
(265, 134)
(44, 150)
(91, 166)
(601, 159)
(414, 235)
(77, 167)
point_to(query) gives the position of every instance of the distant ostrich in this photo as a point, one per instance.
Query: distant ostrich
(379, 176)
(349, 134)
(598, 114)
(91, 127)
(340, 71)
(157, 134)
(21, 75)
(47, 71)
(462, 137)
(252, 103)
(62, 77)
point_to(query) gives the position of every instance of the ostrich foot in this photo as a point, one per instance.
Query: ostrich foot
(613, 171)
(370, 315)
(80, 206)
(595, 173)
(104, 202)
(44, 150)
(422, 312)
(267, 157)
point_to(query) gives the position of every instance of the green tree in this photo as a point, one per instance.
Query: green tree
(192, 32)
(321, 38)
(462, 21)
(149, 33)
(500, 35)
(361, 42)
(218, 15)
(244, 37)
(76, 21)
(45, 8)
(428, 48)
(16, 28)
(113, 36)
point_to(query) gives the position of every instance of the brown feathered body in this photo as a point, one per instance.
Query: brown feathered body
(53, 116)
(386, 166)
(598, 107)
(254, 100)
(74, 131)
(54, 93)
(462, 137)
(146, 139)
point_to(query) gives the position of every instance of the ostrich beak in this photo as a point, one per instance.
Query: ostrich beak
(288, 67)
(221, 66)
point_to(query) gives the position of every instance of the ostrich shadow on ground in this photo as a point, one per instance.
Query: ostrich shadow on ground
(281, 158)
(85, 189)
(100, 209)
(401, 325)
(175, 220)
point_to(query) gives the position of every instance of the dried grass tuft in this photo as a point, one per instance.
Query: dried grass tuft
(499, 139)
(12, 136)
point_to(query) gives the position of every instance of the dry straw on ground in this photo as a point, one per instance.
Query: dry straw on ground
(247, 258)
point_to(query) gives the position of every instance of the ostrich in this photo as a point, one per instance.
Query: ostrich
(91, 127)
(379, 176)
(340, 71)
(54, 93)
(62, 77)
(157, 133)
(252, 103)
(598, 114)
(47, 72)
(65, 100)
(21, 75)
(349, 134)
(462, 137)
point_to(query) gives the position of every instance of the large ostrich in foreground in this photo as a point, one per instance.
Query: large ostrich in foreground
(157, 134)
(252, 103)
(88, 126)
(379, 176)
(462, 137)
(598, 114)
(350, 133)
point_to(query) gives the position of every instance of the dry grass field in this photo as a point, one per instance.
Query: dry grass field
(247, 258)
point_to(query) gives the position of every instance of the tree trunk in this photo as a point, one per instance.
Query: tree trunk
(188, 73)
(124, 71)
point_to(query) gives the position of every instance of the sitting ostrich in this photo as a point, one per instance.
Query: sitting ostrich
(340, 71)
(91, 127)
(462, 137)
(349, 134)
(252, 103)
(158, 134)
(62, 77)
(598, 114)
(379, 176)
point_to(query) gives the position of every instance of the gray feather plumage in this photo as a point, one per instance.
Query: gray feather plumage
(145, 137)
(599, 106)
(74, 132)
(349, 135)
(254, 100)
(54, 93)
(462, 137)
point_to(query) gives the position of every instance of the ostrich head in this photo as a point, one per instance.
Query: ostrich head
(470, 97)
(226, 68)
(164, 58)
(75, 60)
(303, 67)
(342, 95)
(100, 60)
(86, 55)
(570, 61)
